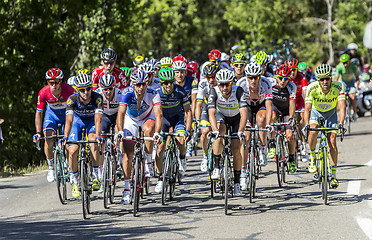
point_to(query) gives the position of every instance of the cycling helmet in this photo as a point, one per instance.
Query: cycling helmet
(166, 74)
(138, 61)
(126, 71)
(270, 58)
(107, 81)
(179, 65)
(70, 81)
(352, 46)
(253, 69)
(83, 71)
(261, 58)
(323, 71)
(166, 62)
(214, 54)
(210, 69)
(82, 80)
(147, 67)
(179, 58)
(193, 65)
(283, 71)
(139, 76)
(302, 67)
(344, 58)
(225, 76)
(291, 63)
(54, 73)
(155, 63)
(225, 57)
(239, 58)
(108, 55)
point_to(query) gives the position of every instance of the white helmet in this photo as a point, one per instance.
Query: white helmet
(70, 81)
(82, 80)
(147, 67)
(253, 69)
(225, 57)
(225, 76)
(352, 46)
(179, 65)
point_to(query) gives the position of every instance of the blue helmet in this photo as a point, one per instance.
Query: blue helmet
(139, 76)
(155, 63)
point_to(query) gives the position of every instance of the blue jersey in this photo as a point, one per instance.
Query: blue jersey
(76, 107)
(129, 99)
(172, 104)
(191, 86)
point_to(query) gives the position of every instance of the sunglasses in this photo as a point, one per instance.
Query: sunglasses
(255, 77)
(324, 79)
(82, 90)
(293, 69)
(167, 82)
(215, 60)
(109, 63)
(225, 84)
(140, 84)
(108, 89)
(238, 64)
(211, 77)
(283, 78)
(55, 82)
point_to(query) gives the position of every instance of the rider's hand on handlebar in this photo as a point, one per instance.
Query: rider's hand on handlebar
(291, 121)
(187, 135)
(119, 135)
(158, 138)
(341, 128)
(306, 128)
(215, 134)
(36, 137)
(269, 128)
(100, 139)
(241, 135)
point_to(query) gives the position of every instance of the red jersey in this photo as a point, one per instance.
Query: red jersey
(121, 81)
(301, 82)
(46, 96)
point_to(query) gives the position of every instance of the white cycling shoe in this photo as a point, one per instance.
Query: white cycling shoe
(159, 186)
(126, 198)
(50, 176)
(262, 156)
(216, 174)
(237, 191)
(204, 164)
(182, 166)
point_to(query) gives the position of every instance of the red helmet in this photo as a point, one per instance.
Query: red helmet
(214, 54)
(193, 65)
(54, 73)
(180, 58)
(291, 63)
(283, 71)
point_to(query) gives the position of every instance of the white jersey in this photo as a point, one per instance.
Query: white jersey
(110, 108)
(264, 91)
(227, 107)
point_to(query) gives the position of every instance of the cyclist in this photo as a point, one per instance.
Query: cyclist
(347, 73)
(84, 110)
(157, 66)
(108, 60)
(140, 106)
(263, 60)
(227, 107)
(258, 95)
(301, 84)
(302, 67)
(55, 95)
(225, 61)
(190, 85)
(166, 62)
(284, 104)
(238, 63)
(355, 58)
(150, 71)
(193, 70)
(201, 108)
(176, 107)
(321, 100)
(214, 56)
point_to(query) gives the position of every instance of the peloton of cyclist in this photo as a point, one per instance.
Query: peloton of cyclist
(201, 108)
(55, 95)
(108, 60)
(176, 108)
(227, 107)
(140, 106)
(321, 100)
(84, 110)
(258, 95)
(284, 104)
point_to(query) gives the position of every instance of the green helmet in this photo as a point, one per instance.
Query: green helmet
(323, 71)
(344, 58)
(302, 67)
(261, 58)
(166, 62)
(166, 74)
(239, 58)
(126, 70)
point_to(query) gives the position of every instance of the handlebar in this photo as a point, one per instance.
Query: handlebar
(322, 129)
(80, 142)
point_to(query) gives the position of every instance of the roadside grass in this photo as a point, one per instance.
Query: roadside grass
(12, 172)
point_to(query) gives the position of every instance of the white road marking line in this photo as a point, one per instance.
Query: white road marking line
(366, 225)
(353, 187)
(368, 163)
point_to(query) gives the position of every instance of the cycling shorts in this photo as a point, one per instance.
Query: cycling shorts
(107, 122)
(253, 110)
(131, 126)
(232, 122)
(330, 118)
(177, 122)
(300, 103)
(53, 118)
(284, 114)
(204, 118)
(78, 124)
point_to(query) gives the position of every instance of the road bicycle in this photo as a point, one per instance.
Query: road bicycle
(348, 117)
(298, 139)
(324, 172)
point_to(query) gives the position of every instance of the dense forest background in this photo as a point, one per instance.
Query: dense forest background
(70, 34)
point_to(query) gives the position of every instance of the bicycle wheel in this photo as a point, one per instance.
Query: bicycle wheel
(210, 169)
(142, 179)
(348, 116)
(59, 175)
(325, 177)
(114, 179)
(173, 177)
(106, 179)
(226, 182)
(136, 186)
(252, 178)
(166, 175)
(84, 182)
(279, 161)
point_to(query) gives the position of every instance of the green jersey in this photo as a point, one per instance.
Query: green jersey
(346, 76)
(322, 102)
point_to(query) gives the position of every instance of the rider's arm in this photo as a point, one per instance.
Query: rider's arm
(193, 104)
(120, 118)
(292, 108)
(212, 109)
(342, 104)
(269, 107)
(357, 82)
(307, 111)
(38, 120)
(188, 115)
(68, 124)
(158, 117)
(292, 99)
(198, 110)
(243, 110)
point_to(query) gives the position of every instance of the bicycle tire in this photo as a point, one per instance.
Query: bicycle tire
(252, 178)
(84, 187)
(279, 161)
(210, 169)
(348, 116)
(325, 177)
(106, 179)
(136, 187)
(226, 183)
(59, 175)
(142, 180)
(173, 178)
(114, 179)
(168, 158)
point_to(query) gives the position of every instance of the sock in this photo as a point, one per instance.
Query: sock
(51, 163)
(333, 169)
(236, 176)
(73, 176)
(243, 171)
(100, 172)
(95, 172)
(205, 152)
(148, 158)
(312, 154)
(291, 158)
(126, 184)
(262, 147)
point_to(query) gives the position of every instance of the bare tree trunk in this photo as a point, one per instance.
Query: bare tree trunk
(331, 53)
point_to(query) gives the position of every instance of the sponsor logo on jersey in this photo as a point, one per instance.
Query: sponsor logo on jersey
(195, 82)
(99, 100)
(69, 101)
(325, 100)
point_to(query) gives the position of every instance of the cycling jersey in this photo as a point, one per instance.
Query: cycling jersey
(155, 83)
(121, 80)
(227, 107)
(264, 91)
(202, 96)
(349, 76)
(172, 104)
(322, 102)
(282, 96)
(55, 103)
(301, 84)
(76, 107)
(110, 107)
(191, 86)
(129, 99)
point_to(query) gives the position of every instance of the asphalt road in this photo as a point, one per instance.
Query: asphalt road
(30, 208)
